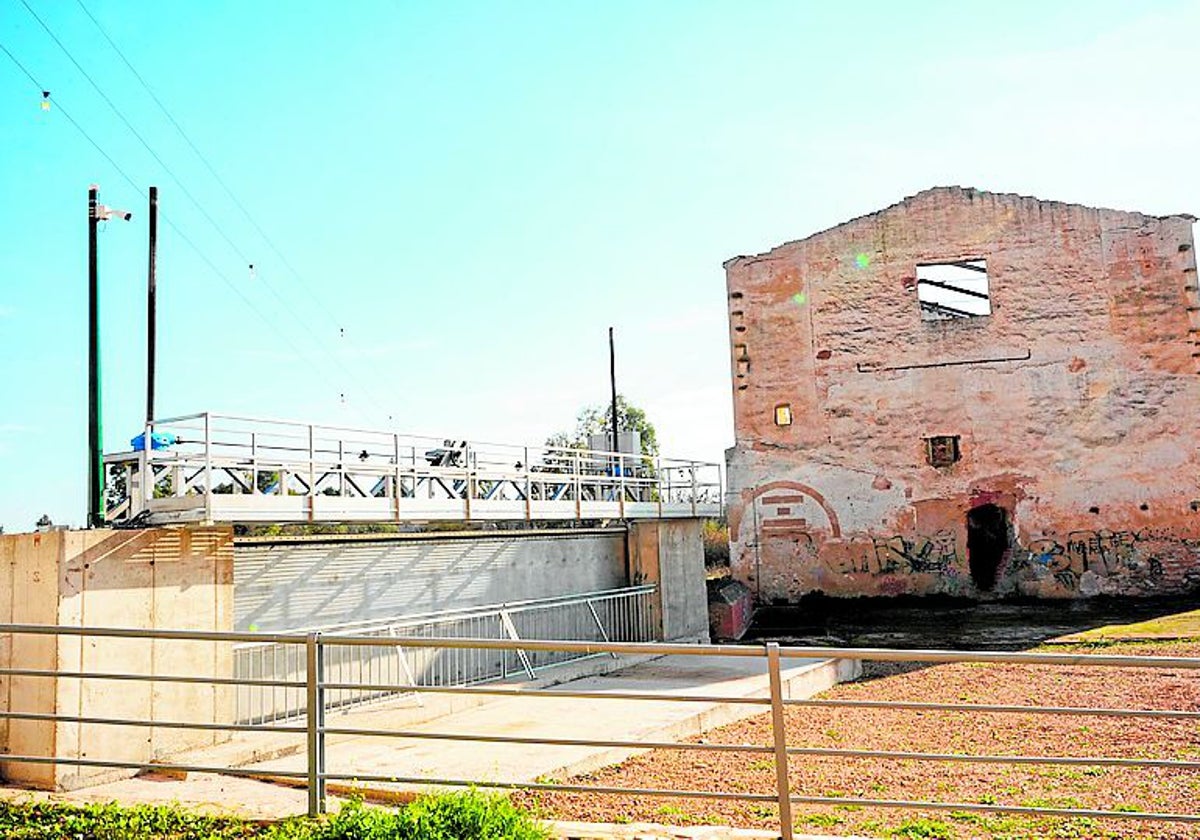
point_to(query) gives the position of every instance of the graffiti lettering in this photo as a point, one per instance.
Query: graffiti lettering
(1122, 556)
(893, 555)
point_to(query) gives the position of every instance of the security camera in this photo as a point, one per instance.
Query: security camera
(104, 213)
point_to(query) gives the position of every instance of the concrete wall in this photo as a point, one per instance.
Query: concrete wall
(1074, 402)
(298, 583)
(157, 578)
(670, 553)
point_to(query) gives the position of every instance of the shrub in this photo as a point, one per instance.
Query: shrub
(716, 543)
(469, 815)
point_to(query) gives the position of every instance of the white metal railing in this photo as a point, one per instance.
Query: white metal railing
(221, 467)
(316, 684)
(617, 615)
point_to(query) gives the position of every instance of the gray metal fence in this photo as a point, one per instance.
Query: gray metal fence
(317, 651)
(617, 615)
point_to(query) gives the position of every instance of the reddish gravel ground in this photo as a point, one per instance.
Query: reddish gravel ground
(1110, 788)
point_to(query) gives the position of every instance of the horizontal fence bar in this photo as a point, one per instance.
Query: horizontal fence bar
(172, 678)
(548, 693)
(1001, 809)
(155, 766)
(872, 654)
(153, 633)
(1097, 761)
(165, 724)
(649, 648)
(770, 798)
(991, 708)
(552, 742)
(997, 759)
(661, 792)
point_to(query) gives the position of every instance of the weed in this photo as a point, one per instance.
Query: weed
(1060, 802)
(469, 815)
(923, 829)
(820, 820)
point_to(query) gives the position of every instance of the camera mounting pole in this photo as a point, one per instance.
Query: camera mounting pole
(97, 213)
(95, 512)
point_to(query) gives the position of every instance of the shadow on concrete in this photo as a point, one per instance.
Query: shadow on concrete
(946, 623)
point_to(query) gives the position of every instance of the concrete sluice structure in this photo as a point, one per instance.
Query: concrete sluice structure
(642, 580)
(970, 394)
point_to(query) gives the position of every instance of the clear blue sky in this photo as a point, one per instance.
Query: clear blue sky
(474, 192)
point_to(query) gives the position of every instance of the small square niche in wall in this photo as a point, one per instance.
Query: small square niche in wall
(942, 450)
(951, 290)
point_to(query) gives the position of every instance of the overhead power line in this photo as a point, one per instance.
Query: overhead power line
(319, 304)
(204, 159)
(179, 231)
(284, 302)
(135, 132)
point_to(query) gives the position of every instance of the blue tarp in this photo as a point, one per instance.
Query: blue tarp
(158, 440)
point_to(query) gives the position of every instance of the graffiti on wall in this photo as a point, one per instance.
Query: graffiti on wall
(1104, 553)
(936, 553)
(793, 544)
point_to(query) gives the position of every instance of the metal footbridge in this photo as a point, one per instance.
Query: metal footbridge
(223, 468)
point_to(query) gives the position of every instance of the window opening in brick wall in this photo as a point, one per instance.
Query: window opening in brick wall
(942, 450)
(953, 290)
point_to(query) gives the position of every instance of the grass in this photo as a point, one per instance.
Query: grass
(469, 815)
(923, 828)
(1183, 626)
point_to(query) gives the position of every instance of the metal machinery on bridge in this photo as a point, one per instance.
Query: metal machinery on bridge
(222, 468)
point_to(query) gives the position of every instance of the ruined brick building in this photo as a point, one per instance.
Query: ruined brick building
(968, 393)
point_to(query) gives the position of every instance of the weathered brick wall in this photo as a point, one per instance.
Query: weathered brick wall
(1075, 402)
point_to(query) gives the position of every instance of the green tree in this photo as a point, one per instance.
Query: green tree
(594, 419)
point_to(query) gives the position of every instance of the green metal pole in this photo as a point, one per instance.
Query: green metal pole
(95, 517)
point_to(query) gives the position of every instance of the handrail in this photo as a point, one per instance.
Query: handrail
(635, 648)
(315, 730)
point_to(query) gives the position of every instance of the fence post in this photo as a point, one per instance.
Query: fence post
(315, 720)
(781, 757)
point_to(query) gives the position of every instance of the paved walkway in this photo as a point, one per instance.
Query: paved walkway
(564, 717)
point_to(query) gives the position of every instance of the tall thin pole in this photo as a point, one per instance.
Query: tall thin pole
(151, 318)
(95, 517)
(612, 378)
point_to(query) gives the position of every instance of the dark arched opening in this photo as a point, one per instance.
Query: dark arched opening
(987, 540)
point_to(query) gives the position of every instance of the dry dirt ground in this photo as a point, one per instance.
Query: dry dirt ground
(1110, 788)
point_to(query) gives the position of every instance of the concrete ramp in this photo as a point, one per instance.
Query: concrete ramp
(566, 717)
